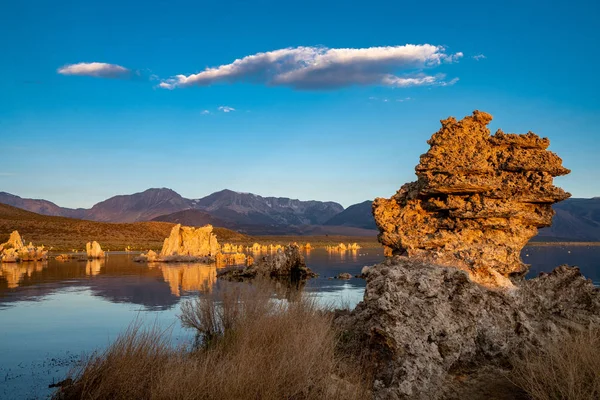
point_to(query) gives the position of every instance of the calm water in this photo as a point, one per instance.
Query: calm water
(52, 313)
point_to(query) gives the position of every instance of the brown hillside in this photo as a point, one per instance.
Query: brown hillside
(62, 233)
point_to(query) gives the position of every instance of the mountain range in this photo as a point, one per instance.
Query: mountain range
(575, 219)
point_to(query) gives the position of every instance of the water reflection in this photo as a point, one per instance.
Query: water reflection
(14, 273)
(187, 277)
(93, 267)
(118, 279)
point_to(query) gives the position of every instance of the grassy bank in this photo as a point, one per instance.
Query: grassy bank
(249, 346)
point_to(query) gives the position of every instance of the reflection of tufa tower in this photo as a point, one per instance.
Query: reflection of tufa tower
(93, 267)
(14, 273)
(188, 277)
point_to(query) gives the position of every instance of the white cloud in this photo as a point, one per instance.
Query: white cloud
(205, 112)
(226, 109)
(324, 68)
(95, 69)
(479, 57)
(449, 83)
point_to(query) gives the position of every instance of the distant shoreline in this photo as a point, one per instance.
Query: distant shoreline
(534, 244)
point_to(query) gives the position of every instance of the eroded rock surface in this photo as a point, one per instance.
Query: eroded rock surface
(14, 250)
(93, 250)
(185, 244)
(189, 241)
(286, 262)
(444, 314)
(424, 325)
(477, 201)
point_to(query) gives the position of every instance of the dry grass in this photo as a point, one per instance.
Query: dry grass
(250, 346)
(568, 368)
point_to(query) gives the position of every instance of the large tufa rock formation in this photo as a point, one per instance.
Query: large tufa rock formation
(93, 250)
(448, 331)
(186, 244)
(287, 263)
(188, 241)
(477, 201)
(14, 250)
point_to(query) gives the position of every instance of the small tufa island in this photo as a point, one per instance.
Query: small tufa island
(285, 263)
(14, 250)
(186, 244)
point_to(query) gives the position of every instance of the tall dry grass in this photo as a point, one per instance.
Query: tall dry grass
(568, 368)
(250, 346)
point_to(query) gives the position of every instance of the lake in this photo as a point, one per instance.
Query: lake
(52, 313)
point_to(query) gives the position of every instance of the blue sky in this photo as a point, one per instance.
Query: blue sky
(348, 133)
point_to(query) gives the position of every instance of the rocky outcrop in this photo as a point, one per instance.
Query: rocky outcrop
(185, 244)
(343, 247)
(424, 325)
(344, 276)
(477, 201)
(232, 248)
(225, 259)
(448, 306)
(14, 250)
(93, 250)
(189, 241)
(287, 263)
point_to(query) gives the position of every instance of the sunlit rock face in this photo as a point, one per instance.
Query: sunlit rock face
(93, 250)
(14, 250)
(185, 244)
(477, 201)
(188, 241)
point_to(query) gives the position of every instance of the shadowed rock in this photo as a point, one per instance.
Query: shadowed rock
(424, 325)
(287, 262)
(477, 201)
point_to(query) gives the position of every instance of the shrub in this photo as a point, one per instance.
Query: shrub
(250, 346)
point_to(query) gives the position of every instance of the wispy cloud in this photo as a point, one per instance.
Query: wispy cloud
(95, 69)
(449, 83)
(312, 68)
(387, 100)
(205, 112)
(226, 109)
(478, 57)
